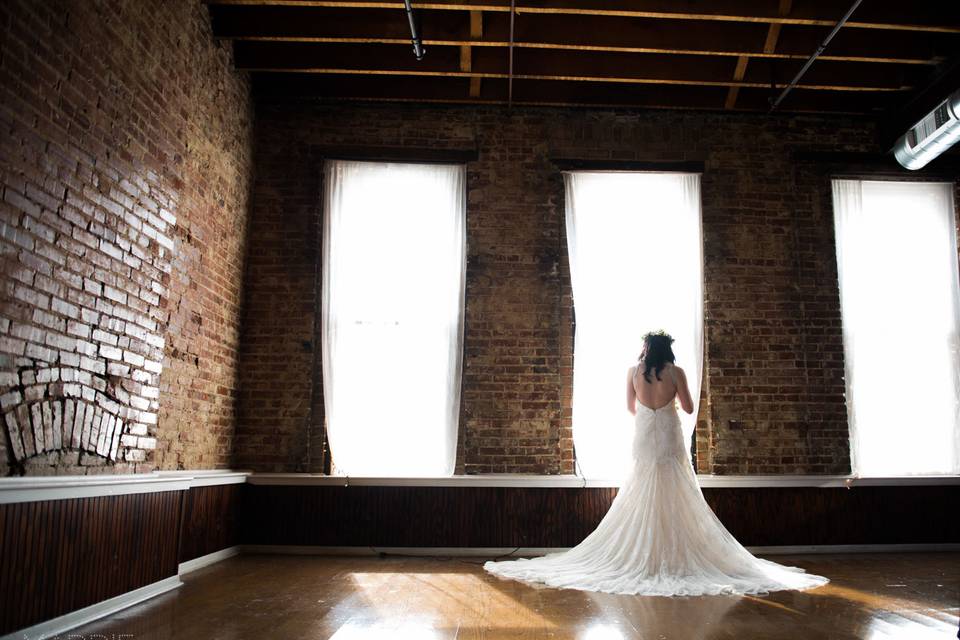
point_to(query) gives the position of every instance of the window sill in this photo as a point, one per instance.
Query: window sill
(31, 489)
(570, 481)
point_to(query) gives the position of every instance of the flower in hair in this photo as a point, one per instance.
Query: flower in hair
(659, 333)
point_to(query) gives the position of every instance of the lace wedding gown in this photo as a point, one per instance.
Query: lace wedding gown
(659, 537)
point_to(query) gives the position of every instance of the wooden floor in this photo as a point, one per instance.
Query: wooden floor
(871, 596)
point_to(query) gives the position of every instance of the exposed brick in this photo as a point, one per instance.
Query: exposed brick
(65, 308)
(773, 360)
(109, 352)
(124, 209)
(122, 242)
(78, 329)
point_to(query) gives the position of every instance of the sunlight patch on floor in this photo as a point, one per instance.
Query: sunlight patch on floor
(479, 602)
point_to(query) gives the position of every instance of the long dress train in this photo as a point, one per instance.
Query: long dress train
(659, 537)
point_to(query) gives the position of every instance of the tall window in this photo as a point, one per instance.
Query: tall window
(635, 266)
(897, 264)
(393, 278)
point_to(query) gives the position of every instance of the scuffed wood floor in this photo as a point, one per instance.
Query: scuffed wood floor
(911, 596)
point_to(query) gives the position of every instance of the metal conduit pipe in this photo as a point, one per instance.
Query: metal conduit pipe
(510, 71)
(816, 54)
(418, 49)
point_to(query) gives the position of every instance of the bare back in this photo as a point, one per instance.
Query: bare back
(656, 393)
(659, 393)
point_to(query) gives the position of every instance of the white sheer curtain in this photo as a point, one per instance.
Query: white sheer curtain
(392, 323)
(900, 305)
(636, 265)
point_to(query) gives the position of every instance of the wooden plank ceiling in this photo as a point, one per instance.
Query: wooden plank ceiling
(689, 54)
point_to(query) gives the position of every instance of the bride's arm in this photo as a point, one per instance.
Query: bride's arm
(631, 392)
(683, 391)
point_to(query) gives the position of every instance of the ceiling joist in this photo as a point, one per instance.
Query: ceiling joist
(603, 9)
(538, 92)
(709, 54)
(575, 47)
(583, 33)
(563, 78)
(769, 46)
(269, 57)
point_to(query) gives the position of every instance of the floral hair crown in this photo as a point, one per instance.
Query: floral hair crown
(659, 333)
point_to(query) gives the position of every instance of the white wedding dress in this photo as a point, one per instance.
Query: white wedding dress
(659, 537)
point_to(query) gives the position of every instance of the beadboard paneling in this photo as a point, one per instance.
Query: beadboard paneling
(57, 556)
(559, 517)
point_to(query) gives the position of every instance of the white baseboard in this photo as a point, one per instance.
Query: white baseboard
(204, 561)
(492, 552)
(74, 619)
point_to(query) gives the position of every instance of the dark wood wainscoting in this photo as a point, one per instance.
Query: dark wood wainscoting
(209, 520)
(57, 556)
(560, 517)
(859, 515)
(420, 516)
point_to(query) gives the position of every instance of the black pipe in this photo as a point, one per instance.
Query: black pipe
(510, 71)
(418, 49)
(815, 55)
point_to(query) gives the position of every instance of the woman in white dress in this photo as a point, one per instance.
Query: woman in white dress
(659, 536)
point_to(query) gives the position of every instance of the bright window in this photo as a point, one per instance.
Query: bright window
(897, 265)
(635, 266)
(393, 278)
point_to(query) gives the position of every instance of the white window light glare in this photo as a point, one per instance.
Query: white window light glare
(900, 308)
(393, 316)
(622, 226)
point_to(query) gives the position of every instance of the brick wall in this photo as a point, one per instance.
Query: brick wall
(126, 160)
(773, 392)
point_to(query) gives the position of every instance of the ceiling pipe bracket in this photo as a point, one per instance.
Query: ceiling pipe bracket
(823, 45)
(418, 49)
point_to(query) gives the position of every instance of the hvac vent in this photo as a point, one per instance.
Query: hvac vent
(930, 137)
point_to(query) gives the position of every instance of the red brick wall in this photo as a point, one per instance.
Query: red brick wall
(277, 346)
(126, 160)
(773, 393)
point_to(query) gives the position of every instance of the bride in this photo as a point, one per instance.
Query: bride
(659, 536)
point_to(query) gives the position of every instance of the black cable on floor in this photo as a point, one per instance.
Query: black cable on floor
(384, 554)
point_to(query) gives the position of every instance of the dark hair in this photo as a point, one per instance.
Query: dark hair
(656, 353)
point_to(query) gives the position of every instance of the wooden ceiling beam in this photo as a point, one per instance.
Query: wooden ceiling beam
(476, 33)
(476, 25)
(564, 33)
(738, 74)
(563, 78)
(532, 63)
(726, 53)
(568, 47)
(660, 10)
(769, 46)
(541, 93)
